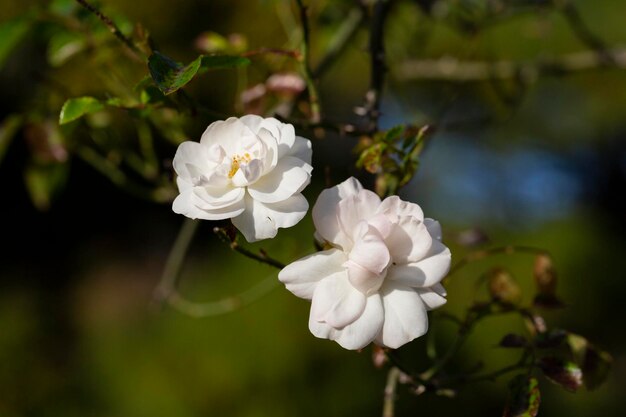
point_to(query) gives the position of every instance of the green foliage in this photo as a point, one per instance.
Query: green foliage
(8, 128)
(76, 108)
(11, 33)
(524, 397)
(44, 181)
(171, 76)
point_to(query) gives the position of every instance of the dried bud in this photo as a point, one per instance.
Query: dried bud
(285, 84)
(566, 374)
(252, 99)
(545, 275)
(46, 142)
(503, 288)
(379, 357)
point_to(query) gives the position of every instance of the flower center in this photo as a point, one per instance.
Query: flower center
(236, 161)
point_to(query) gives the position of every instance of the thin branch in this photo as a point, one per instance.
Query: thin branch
(390, 392)
(454, 70)
(231, 238)
(583, 32)
(377, 62)
(500, 250)
(111, 25)
(175, 260)
(340, 41)
(305, 64)
(225, 305)
(167, 292)
(273, 51)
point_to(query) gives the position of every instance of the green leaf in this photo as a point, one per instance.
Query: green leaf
(8, 128)
(524, 397)
(11, 33)
(63, 46)
(76, 108)
(394, 133)
(563, 373)
(170, 75)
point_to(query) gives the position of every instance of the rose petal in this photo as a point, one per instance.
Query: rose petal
(405, 315)
(301, 277)
(433, 297)
(301, 149)
(289, 177)
(192, 160)
(325, 212)
(336, 302)
(353, 209)
(210, 198)
(226, 133)
(261, 220)
(434, 228)
(394, 208)
(357, 334)
(426, 272)
(408, 241)
(185, 204)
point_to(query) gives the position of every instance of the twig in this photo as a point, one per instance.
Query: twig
(377, 62)
(454, 70)
(173, 265)
(500, 250)
(224, 305)
(584, 33)
(390, 392)
(120, 179)
(111, 25)
(306, 66)
(231, 239)
(273, 51)
(338, 44)
(167, 292)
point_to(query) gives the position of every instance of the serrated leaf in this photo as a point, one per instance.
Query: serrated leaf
(524, 397)
(564, 373)
(170, 75)
(76, 108)
(11, 33)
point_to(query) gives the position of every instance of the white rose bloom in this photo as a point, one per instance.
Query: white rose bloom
(249, 169)
(380, 277)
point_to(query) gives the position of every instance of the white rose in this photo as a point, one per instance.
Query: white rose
(249, 169)
(381, 275)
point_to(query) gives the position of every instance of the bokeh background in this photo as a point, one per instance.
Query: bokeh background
(542, 164)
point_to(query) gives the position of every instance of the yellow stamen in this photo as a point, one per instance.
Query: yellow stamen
(236, 162)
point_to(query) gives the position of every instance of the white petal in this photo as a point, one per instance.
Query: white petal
(370, 251)
(261, 221)
(325, 212)
(394, 207)
(434, 228)
(336, 302)
(252, 121)
(425, 273)
(301, 149)
(289, 177)
(433, 297)
(353, 209)
(210, 198)
(286, 140)
(192, 160)
(405, 315)
(355, 335)
(270, 156)
(301, 277)
(409, 240)
(226, 133)
(185, 204)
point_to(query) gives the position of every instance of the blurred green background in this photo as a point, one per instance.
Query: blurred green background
(80, 334)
